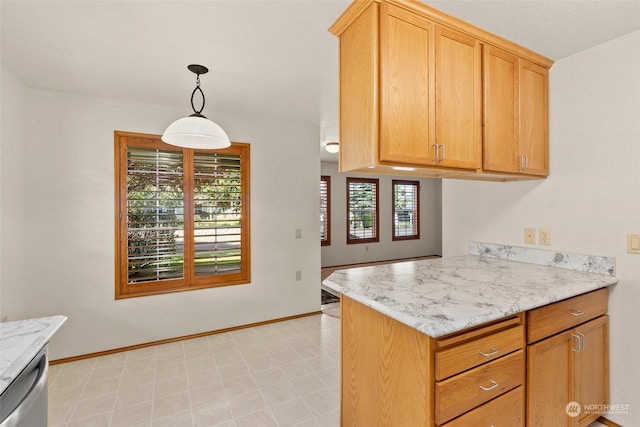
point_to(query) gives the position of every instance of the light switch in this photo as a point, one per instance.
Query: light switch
(298, 233)
(633, 243)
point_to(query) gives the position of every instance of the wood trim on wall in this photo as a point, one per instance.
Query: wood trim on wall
(181, 338)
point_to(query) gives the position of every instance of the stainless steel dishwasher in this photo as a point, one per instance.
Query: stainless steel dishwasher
(24, 402)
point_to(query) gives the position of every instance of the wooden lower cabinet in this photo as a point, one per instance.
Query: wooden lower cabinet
(494, 374)
(571, 366)
(503, 411)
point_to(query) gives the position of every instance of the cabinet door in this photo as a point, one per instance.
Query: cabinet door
(592, 368)
(500, 111)
(549, 380)
(458, 100)
(406, 87)
(533, 138)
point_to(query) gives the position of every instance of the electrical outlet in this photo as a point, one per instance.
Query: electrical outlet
(633, 243)
(530, 236)
(545, 236)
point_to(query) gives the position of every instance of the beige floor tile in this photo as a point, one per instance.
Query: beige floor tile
(235, 370)
(244, 404)
(135, 379)
(207, 395)
(176, 420)
(132, 415)
(100, 387)
(171, 386)
(98, 420)
(261, 418)
(204, 377)
(171, 371)
(170, 405)
(279, 393)
(269, 377)
(212, 414)
(134, 396)
(96, 405)
(291, 412)
(239, 385)
(322, 402)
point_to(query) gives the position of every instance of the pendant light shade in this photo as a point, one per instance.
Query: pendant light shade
(196, 131)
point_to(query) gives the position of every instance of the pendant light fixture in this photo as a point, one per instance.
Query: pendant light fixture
(196, 131)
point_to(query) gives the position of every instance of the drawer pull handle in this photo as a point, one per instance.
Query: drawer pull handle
(580, 345)
(493, 351)
(493, 385)
(576, 312)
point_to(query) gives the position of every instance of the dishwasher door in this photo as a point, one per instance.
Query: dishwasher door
(24, 402)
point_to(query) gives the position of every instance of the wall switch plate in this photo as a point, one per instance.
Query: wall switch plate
(298, 233)
(298, 275)
(530, 236)
(545, 236)
(633, 243)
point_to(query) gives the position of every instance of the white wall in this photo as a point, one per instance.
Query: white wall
(339, 253)
(591, 198)
(68, 191)
(13, 200)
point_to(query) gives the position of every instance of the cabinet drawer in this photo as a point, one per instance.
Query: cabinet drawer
(553, 318)
(503, 411)
(459, 394)
(471, 354)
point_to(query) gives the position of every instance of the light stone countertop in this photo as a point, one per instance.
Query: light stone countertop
(20, 342)
(446, 295)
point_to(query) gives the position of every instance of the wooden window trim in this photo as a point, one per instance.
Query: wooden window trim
(393, 209)
(327, 240)
(376, 219)
(189, 282)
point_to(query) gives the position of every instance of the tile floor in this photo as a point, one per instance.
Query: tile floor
(281, 374)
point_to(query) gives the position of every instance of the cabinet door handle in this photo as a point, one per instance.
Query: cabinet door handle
(520, 161)
(435, 159)
(582, 340)
(579, 338)
(493, 351)
(493, 385)
(444, 152)
(526, 162)
(576, 312)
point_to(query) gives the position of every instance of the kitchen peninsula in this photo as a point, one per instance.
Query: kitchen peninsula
(470, 339)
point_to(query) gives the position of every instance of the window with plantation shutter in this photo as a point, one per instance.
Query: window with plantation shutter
(406, 210)
(182, 216)
(325, 210)
(362, 210)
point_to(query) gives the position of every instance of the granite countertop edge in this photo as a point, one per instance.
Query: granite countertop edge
(467, 307)
(20, 342)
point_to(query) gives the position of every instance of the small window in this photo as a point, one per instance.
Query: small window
(362, 210)
(325, 210)
(182, 216)
(406, 210)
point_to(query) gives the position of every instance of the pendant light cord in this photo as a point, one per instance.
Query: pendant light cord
(198, 112)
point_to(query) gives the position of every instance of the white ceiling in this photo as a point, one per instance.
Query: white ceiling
(267, 59)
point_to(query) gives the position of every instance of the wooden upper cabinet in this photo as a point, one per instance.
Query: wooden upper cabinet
(534, 107)
(515, 114)
(500, 110)
(458, 112)
(412, 96)
(407, 87)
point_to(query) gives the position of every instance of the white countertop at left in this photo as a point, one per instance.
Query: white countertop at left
(20, 342)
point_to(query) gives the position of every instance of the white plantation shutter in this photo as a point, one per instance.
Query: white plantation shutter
(406, 209)
(362, 210)
(325, 210)
(155, 221)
